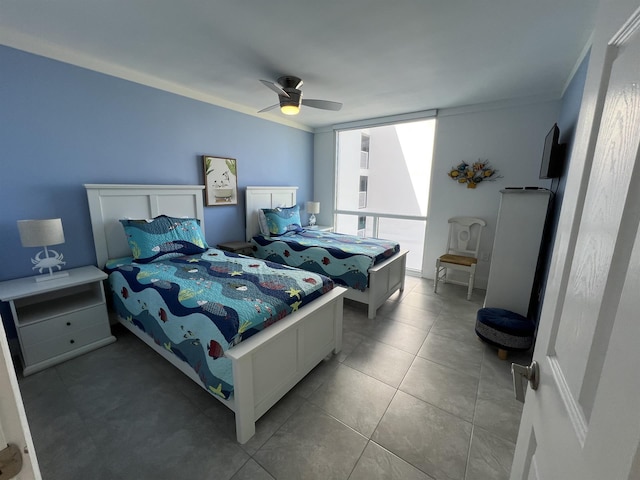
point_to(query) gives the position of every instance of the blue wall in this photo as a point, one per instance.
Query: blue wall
(62, 126)
(567, 122)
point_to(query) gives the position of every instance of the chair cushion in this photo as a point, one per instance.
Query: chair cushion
(504, 329)
(458, 260)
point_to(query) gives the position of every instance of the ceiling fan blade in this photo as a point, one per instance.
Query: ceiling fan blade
(323, 104)
(276, 88)
(269, 108)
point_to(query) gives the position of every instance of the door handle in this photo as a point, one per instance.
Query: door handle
(521, 372)
(10, 462)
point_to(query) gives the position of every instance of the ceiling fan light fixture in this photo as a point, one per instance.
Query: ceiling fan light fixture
(290, 97)
(290, 109)
(291, 105)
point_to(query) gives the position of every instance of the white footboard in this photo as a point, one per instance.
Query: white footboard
(385, 279)
(268, 365)
(265, 366)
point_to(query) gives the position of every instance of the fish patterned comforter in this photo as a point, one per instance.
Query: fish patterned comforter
(199, 306)
(346, 259)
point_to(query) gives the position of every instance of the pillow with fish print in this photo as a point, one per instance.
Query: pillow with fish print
(282, 220)
(163, 237)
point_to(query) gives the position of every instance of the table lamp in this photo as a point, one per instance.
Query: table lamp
(312, 209)
(42, 233)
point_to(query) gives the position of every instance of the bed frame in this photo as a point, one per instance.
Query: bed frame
(385, 278)
(265, 366)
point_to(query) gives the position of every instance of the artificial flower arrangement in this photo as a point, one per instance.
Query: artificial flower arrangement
(473, 174)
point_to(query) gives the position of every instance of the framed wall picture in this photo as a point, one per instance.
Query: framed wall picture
(221, 180)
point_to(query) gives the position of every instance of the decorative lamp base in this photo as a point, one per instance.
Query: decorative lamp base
(312, 220)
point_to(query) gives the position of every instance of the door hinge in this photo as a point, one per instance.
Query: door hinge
(10, 462)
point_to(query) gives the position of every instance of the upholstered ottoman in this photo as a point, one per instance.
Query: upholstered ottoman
(504, 329)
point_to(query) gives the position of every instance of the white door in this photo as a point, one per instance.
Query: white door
(583, 422)
(14, 429)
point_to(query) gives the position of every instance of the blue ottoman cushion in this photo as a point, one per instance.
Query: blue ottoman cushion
(504, 329)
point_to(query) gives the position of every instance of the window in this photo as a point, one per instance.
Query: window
(362, 226)
(364, 151)
(364, 160)
(362, 199)
(382, 183)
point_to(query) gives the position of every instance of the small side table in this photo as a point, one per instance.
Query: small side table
(58, 319)
(320, 228)
(243, 248)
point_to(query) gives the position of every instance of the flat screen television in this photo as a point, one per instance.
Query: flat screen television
(552, 155)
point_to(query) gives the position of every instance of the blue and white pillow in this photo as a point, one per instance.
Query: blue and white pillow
(164, 237)
(283, 220)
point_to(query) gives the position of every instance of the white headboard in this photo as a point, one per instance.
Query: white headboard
(110, 203)
(265, 197)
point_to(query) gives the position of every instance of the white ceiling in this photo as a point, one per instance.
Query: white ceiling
(377, 57)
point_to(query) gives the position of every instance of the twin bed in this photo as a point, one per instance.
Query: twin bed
(206, 311)
(220, 341)
(371, 278)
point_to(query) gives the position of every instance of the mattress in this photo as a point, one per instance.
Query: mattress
(199, 306)
(346, 259)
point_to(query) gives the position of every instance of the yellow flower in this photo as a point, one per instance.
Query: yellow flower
(488, 173)
(471, 185)
(454, 173)
(462, 180)
(469, 173)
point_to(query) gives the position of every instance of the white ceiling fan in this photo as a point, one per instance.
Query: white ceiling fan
(290, 97)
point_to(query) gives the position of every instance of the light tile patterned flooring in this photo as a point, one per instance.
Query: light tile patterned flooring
(414, 394)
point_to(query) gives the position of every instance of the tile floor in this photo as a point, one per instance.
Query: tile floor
(413, 395)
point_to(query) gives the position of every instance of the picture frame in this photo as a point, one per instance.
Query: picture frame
(221, 180)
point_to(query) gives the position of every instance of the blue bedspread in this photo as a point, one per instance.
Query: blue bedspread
(199, 306)
(346, 259)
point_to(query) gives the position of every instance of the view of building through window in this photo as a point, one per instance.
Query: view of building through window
(382, 183)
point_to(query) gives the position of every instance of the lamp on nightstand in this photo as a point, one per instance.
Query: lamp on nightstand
(312, 209)
(42, 233)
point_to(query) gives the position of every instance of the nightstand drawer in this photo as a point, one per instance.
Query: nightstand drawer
(64, 343)
(63, 325)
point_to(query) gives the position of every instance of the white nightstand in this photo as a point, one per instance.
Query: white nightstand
(321, 228)
(58, 319)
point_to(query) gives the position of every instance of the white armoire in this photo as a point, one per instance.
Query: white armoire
(516, 248)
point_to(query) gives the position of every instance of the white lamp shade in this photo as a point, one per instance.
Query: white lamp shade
(41, 233)
(313, 207)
